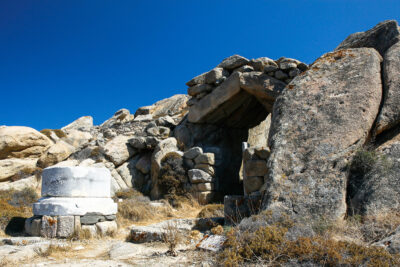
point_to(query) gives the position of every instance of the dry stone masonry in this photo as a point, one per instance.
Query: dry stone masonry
(73, 198)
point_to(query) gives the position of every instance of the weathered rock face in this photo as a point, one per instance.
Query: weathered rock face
(390, 113)
(14, 169)
(22, 142)
(378, 189)
(56, 153)
(318, 122)
(381, 37)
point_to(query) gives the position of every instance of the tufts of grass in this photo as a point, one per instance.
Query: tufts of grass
(268, 245)
(16, 206)
(212, 210)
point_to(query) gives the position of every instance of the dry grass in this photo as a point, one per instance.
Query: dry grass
(15, 206)
(268, 245)
(212, 210)
(172, 237)
(52, 249)
(134, 207)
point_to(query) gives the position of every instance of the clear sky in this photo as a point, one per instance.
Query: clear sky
(63, 59)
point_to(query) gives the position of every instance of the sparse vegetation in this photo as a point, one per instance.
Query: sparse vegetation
(59, 133)
(15, 206)
(52, 249)
(172, 237)
(269, 245)
(212, 210)
(172, 177)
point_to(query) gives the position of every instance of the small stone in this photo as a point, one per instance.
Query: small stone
(287, 65)
(107, 228)
(280, 75)
(200, 79)
(111, 217)
(189, 163)
(159, 131)
(206, 158)
(65, 226)
(199, 89)
(205, 167)
(245, 68)
(270, 68)
(138, 142)
(233, 62)
(48, 227)
(166, 121)
(28, 225)
(212, 243)
(215, 75)
(294, 72)
(92, 219)
(262, 153)
(201, 187)
(302, 66)
(198, 176)
(193, 152)
(256, 168)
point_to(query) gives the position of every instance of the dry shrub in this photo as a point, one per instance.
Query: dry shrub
(212, 210)
(172, 177)
(16, 204)
(268, 245)
(217, 230)
(59, 133)
(135, 207)
(172, 237)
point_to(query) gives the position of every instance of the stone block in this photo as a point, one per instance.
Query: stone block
(206, 158)
(107, 228)
(92, 218)
(59, 206)
(205, 167)
(76, 182)
(48, 227)
(65, 226)
(198, 176)
(255, 168)
(193, 152)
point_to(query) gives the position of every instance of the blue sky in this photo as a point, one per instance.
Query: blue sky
(60, 60)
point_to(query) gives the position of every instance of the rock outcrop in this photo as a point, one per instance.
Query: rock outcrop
(322, 117)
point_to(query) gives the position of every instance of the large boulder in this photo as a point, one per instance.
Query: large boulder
(380, 37)
(264, 87)
(322, 117)
(118, 149)
(208, 104)
(56, 153)
(174, 107)
(376, 180)
(390, 113)
(22, 142)
(14, 169)
(83, 124)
